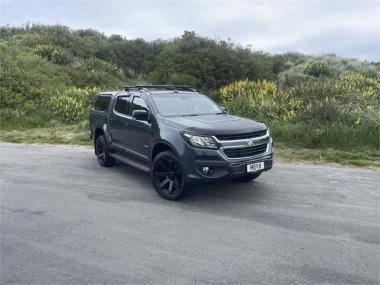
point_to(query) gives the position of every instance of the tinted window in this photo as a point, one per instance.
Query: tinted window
(122, 105)
(139, 104)
(102, 103)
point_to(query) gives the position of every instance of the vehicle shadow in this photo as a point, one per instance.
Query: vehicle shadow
(125, 183)
(246, 201)
(227, 190)
(222, 198)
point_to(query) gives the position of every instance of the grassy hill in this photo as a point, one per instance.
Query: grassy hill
(50, 74)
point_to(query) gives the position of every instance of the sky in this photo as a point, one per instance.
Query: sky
(348, 28)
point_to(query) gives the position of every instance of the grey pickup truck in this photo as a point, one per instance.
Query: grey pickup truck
(177, 135)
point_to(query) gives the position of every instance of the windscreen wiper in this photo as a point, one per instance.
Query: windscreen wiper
(190, 115)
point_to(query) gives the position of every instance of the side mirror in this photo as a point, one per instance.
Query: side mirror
(140, 115)
(224, 110)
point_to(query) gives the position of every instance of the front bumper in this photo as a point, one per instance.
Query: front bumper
(222, 167)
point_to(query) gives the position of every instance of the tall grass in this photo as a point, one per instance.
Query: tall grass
(69, 106)
(334, 135)
(340, 112)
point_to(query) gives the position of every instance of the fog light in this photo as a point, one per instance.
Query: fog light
(205, 169)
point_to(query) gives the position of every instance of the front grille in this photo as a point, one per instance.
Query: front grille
(241, 136)
(245, 151)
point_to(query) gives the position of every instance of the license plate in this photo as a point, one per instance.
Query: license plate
(253, 167)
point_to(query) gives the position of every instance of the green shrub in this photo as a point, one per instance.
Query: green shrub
(353, 100)
(258, 99)
(334, 135)
(14, 119)
(52, 53)
(85, 96)
(94, 72)
(27, 79)
(94, 64)
(313, 112)
(317, 68)
(71, 105)
(66, 109)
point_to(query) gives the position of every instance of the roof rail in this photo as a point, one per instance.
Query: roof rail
(159, 87)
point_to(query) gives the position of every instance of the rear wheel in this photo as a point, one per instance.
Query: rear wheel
(248, 178)
(102, 152)
(167, 176)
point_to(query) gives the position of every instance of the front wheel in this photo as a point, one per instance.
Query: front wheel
(167, 176)
(248, 178)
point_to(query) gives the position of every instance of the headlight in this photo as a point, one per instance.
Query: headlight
(200, 141)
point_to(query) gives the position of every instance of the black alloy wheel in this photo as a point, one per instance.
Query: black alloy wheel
(167, 176)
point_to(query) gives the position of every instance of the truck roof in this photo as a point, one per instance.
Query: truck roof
(159, 88)
(156, 89)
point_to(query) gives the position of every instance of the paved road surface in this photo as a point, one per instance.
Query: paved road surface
(64, 219)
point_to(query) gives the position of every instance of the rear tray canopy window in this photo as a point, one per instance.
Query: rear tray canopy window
(102, 103)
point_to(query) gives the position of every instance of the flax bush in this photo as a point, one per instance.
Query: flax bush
(85, 96)
(66, 109)
(354, 100)
(52, 53)
(71, 105)
(317, 68)
(337, 112)
(258, 99)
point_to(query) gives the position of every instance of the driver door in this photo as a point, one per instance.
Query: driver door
(139, 132)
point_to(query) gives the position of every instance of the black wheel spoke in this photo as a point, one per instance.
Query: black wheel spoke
(170, 186)
(99, 146)
(164, 182)
(176, 183)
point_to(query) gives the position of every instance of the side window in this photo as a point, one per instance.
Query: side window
(122, 105)
(102, 103)
(139, 104)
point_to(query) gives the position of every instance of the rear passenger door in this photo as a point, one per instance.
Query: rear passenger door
(119, 121)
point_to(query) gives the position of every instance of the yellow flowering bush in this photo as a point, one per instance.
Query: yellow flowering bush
(52, 53)
(368, 86)
(83, 95)
(258, 99)
(71, 105)
(66, 109)
(353, 99)
(317, 68)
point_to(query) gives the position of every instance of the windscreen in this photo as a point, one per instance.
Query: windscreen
(184, 105)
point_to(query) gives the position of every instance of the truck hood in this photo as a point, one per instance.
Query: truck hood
(223, 124)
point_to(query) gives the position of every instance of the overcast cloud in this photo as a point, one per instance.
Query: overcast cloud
(347, 28)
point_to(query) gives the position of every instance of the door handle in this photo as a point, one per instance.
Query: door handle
(125, 124)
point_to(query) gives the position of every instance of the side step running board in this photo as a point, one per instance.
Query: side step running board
(132, 162)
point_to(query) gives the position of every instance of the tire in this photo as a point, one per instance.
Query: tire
(102, 152)
(247, 178)
(167, 176)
